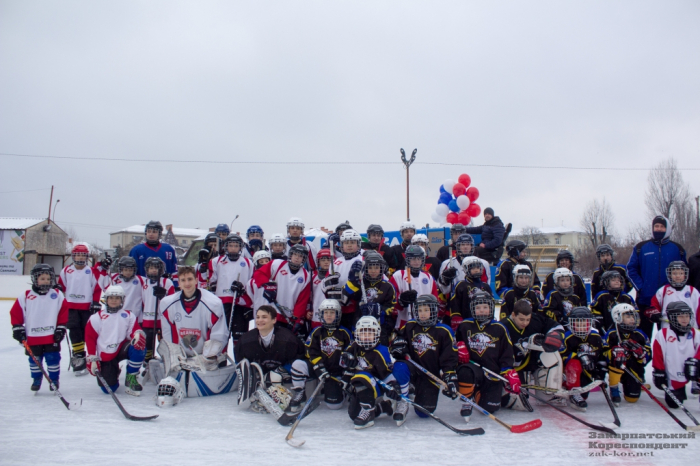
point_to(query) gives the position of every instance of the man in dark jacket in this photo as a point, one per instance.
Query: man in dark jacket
(694, 266)
(491, 232)
(647, 266)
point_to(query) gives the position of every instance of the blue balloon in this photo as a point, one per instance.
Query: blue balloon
(442, 189)
(453, 205)
(445, 198)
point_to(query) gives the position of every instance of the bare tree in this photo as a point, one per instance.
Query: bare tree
(531, 236)
(597, 221)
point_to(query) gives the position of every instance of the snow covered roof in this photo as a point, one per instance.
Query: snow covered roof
(560, 230)
(17, 223)
(195, 232)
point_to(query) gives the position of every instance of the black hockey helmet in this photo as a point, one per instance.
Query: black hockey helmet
(676, 309)
(457, 229)
(481, 297)
(210, 238)
(608, 276)
(605, 249)
(515, 247)
(430, 301)
(300, 250)
(374, 228)
(342, 227)
(42, 269)
(154, 262)
(373, 258)
(564, 254)
(414, 251)
(464, 238)
(153, 225)
(126, 262)
(236, 239)
(580, 321)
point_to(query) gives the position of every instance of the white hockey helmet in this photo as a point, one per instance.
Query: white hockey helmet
(522, 270)
(295, 222)
(276, 239)
(169, 392)
(114, 291)
(367, 331)
(471, 262)
(350, 235)
(262, 254)
(329, 305)
(407, 225)
(562, 272)
(619, 311)
(420, 239)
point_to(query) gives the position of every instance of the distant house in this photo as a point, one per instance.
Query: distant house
(25, 242)
(135, 234)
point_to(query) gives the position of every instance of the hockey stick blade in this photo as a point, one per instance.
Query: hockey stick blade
(611, 405)
(680, 404)
(130, 417)
(601, 427)
(527, 427)
(65, 402)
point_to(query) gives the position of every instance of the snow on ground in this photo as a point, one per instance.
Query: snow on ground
(39, 430)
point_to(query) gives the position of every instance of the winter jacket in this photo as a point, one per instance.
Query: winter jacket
(694, 266)
(647, 265)
(491, 233)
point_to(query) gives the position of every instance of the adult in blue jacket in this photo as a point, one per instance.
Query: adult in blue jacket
(647, 266)
(491, 232)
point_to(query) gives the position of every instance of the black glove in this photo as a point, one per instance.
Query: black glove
(587, 362)
(394, 392)
(59, 333)
(159, 292)
(18, 333)
(399, 348)
(95, 308)
(408, 297)
(449, 274)
(450, 379)
(601, 370)
(635, 348)
(165, 275)
(203, 267)
(690, 369)
(653, 315)
(106, 262)
(354, 275)
(270, 291)
(320, 370)
(255, 244)
(237, 287)
(348, 360)
(204, 256)
(371, 309)
(345, 380)
(660, 378)
(331, 281)
(335, 239)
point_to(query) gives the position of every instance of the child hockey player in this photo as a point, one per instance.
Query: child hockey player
(452, 271)
(295, 235)
(675, 290)
(606, 258)
(407, 230)
(411, 282)
(254, 293)
(625, 345)
(522, 282)
(517, 254)
(39, 317)
(376, 242)
(156, 288)
(278, 247)
(456, 230)
(206, 254)
(562, 299)
(154, 247)
(460, 307)
(349, 264)
(609, 297)
(432, 264)
(113, 335)
(255, 237)
(131, 283)
(565, 259)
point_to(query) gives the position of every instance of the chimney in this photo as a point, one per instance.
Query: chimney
(169, 227)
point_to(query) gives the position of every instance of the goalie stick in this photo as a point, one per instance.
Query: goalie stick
(130, 417)
(53, 386)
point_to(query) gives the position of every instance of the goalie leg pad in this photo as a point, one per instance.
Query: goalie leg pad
(171, 355)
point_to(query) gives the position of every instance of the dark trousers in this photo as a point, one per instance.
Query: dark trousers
(77, 321)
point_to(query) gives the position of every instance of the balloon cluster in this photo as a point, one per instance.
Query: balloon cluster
(457, 202)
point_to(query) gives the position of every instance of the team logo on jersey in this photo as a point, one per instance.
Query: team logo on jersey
(372, 294)
(568, 306)
(586, 348)
(135, 282)
(669, 291)
(112, 346)
(687, 294)
(178, 317)
(242, 264)
(87, 271)
(329, 345)
(104, 316)
(363, 363)
(670, 338)
(76, 296)
(69, 271)
(31, 297)
(422, 343)
(480, 342)
(190, 336)
(300, 280)
(54, 296)
(42, 329)
(125, 315)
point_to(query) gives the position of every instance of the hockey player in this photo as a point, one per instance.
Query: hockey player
(255, 237)
(154, 247)
(517, 254)
(254, 293)
(407, 231)
(227, 276)
(80, 285)
(344, 267)
(460, 301)
(365, 361)
(565, 259)
(377, 242)
(561, 300)
(451, 270)
(456, 230)
(380, 297)
(156, 287)
(206, 254)
(278, 246)
(522, 282)
(583, 355)
(676, 352)
(286, 285)
(609, 297)
(411, 282)
(606, 258)
(295, 232)
(323, 260)
(113, 335)
(625, 345)
(432, 264)
(675, 290)
(39, 317)
(483, 340)
(536, 341)
(335, 238)
(432, 345)
(323, 349)
(131, 283)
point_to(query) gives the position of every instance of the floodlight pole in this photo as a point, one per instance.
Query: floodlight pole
(407, 164)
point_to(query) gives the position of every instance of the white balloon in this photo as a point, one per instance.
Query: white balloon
(436, 217)
(462, 202)
(442, 210)
(448, 185)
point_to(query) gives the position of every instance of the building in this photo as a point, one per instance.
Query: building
(25, 242)
(135, 234)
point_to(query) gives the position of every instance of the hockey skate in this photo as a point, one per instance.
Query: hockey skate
(132, 385)
(615, 395)
(466, 412)
(79, 365)
(365, 418)
(400, 412)
(36, 384)
(577, 402)
(298, 400)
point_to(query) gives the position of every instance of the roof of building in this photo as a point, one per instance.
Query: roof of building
(18, 223)
(194, 232)
(552, 230)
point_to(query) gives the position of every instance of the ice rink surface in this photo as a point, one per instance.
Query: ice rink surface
(39, 430)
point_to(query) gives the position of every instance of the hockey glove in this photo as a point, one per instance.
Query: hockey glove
(237, 287)
(334, 293)
(653, 314)
(93, 364)
(450, 390)
(159, 292)
(399, 348)
(139, 340)
(513, 381)
(255, 244)
(270, 292)
(552, 341)
(462, 352)
(18, 333)
(618, 356)
(601, 370)
(347, 360)
(395, 392)
(635, 348)
(354, 276)
(691, 369)
(335, 239)
(371, 309)
(203, 268)
(106, 263)
(320, 370)
(331, 281)
(59, 333)
(587, 362)
(447, 275)
(95, 308)
(408, 297)
(455, 320)
(204, 257)
(660, 378)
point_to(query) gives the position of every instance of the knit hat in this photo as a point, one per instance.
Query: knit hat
(658, 219)
(488, 211)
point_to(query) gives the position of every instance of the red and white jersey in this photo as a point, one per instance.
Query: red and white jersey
(423, 284)
(670, 352)
(149, 301)
(254, 294)
(342, 267)
(223, 272)
(668, 294)
(133, 290)
(40, 315)
(317, 296)
(205, 321)
(312, 252)
(461, 275)
(293, 289)
(105, 333)
(80, 287)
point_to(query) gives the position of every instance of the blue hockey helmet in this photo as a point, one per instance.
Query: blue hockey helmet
(222, 228)
(254, 229)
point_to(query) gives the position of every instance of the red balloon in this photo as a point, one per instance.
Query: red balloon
(473, 194)
(465, 180)
(458, 189)
(464, 218)
(452, 218)
(473, 210)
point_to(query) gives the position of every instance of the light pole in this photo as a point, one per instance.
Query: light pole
(407, 164)
(53, 218)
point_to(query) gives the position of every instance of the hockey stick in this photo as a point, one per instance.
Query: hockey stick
(476, 431)
(678, 421)
(233, 306)
(679, 403)
(130, 417)
(601, 427)
(562, 392)
(409, 279)
(66, 403)
(298, 443)
(610, 404)
(516, 429)
(361, 276)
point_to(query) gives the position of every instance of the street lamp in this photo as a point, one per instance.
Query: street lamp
(53, 218)
(407, 164)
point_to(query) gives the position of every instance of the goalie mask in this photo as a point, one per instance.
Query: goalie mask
(169, 392)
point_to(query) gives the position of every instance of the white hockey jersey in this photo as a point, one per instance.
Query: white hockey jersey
(224, 272)
(80, 287)
(461, 275)
(670, 352)
(312, 252)
(668, 294)
(133, 290)
(105, 333)
(423, 284)
(293, 289)
(40, 315)
(149, 301)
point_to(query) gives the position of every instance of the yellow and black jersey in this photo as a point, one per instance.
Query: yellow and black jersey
(380, 292)
(579, 287)
(377, 362)
(326, 345)
(462, 297)
(612, 339)
(573, 345)
(557, 306)
(504, 275)
(513, 295)
(431, 347)
(597, 286)
(489, 344)
(539, 323)
(603, 304)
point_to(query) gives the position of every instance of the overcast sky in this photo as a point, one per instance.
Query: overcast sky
(588, 84)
